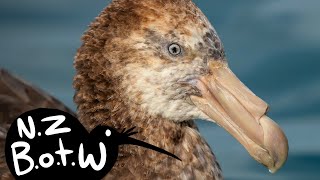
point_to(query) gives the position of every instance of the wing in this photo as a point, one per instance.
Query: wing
(17, 97)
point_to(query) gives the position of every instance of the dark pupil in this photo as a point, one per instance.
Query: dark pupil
(174, 50)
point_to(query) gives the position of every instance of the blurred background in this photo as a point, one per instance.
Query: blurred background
(272, 45)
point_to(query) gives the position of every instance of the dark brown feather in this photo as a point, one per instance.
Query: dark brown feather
(17, 97)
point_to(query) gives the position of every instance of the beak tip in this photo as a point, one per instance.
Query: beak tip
(276, 143)
(278, 165)
(272, 171)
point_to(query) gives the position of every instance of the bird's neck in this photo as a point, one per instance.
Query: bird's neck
(120, 116)
(181, 139)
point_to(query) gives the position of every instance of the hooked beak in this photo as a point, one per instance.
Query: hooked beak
(230, 104)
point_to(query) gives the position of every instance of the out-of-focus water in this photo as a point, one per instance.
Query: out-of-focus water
(272, 45)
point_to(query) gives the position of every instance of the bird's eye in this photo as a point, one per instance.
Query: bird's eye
(174, 49)
(108, 133)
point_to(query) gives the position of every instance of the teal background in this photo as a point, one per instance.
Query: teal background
(272, 45)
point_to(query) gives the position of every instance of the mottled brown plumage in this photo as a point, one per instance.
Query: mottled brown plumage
(132, 33)
(126, 78)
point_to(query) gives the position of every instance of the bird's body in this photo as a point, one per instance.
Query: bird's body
(158, 65)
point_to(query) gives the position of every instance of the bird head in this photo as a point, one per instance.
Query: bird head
(169, 62)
